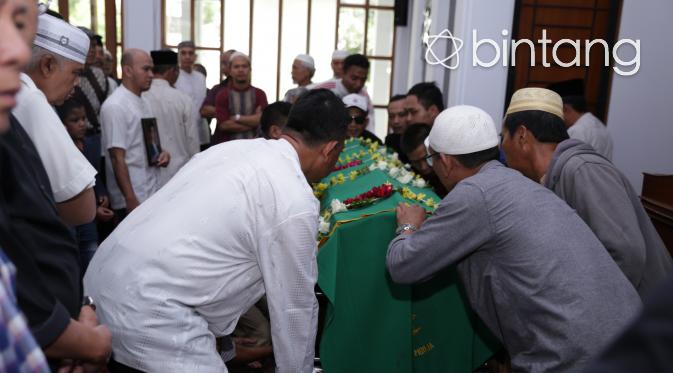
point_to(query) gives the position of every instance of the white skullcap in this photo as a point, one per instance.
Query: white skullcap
(306, 60)
(238, 54)
(340, 54)
(536, 99)
(355, 100)
(62, 38)
(462, 129)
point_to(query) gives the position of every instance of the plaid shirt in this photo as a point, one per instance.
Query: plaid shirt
(18, 350)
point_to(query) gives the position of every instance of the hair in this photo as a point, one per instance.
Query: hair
(546, 127)
(274, 114)
(36, 56)
(355, 60)
(318, 116)
(67, 106)
(200, 68)
(397, 98)
(476, 159)
(88, 32)
(578, 103)
(127, 58)
(98, 39)
(54, 14)
(413, 137)
(428, 94)
(186, 44)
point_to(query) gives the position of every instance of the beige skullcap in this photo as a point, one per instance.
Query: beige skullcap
(541, 99)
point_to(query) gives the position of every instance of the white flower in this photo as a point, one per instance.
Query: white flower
(382, 151)
(323, 226)
(382, 165)
(372, 167)
(419, 183)
(406, 178)
(407, 166)
(395, 156)
(394, 172)
(337, 206)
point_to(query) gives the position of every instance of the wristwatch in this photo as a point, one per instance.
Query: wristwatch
(237, 117)
(88, 301)
(405, 228)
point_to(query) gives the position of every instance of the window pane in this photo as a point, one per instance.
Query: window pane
(321, 45)
(381, 120)
(54, 6)
(380, 32)
(118, 8)
(80, 12)
(351, 29)
(119, 61)
(356, 2)
(378, 82)
(237, 25)
(295, 18)
(100, 18)
(211, 61)
(178, 17)
(382, 2)
(207, 23)
(265, 47)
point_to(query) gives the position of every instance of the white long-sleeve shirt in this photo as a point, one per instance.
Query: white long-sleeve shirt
(193, 84)
(237, 221)
(178, 132)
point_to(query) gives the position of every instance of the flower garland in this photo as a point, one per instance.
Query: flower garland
(354, 163)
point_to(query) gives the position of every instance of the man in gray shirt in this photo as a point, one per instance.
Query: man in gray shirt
(535, 143)
(532, 269)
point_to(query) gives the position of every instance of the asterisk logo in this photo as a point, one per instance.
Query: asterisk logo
(432, 59)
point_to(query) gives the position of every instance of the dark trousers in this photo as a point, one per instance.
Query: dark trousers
(115, 367)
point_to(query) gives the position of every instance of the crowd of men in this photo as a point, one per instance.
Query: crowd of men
(134, 239)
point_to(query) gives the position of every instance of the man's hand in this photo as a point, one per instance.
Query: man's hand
(87, 316)
(163, 159)
(410, 214)
(104, 214)
(131, 203)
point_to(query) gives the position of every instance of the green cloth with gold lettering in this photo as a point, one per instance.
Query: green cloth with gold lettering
(371, 323)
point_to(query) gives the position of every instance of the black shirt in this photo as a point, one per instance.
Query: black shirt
(36, 240)
(368, 135)
(393, 141)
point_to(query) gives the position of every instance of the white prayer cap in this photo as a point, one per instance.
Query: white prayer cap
(306, 60)
(536, 99)
(62, 38)
(340, 54)
(238, 54)
(462, 129)
(355, 100)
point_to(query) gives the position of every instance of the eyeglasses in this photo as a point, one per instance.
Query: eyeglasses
(358, 120)
(43, 7)
(428, 158)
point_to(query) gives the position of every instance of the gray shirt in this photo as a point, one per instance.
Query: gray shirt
(532, 269)
(605, 199)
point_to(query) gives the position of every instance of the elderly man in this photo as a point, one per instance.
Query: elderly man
(239, 107)
(355, 72)
(337, 64)
(208, 105)
(131, 178)
(193, 84)
(175, 116)
(303, 68)
(584, 126)
(188, 263)
(32, 233)
(50, 77)
(535, 142)
(423, 103)
(397, 124)
(532, 269)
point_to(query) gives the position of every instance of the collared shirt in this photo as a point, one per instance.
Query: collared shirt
(121, 116)
(18, 350)
(194, 85)
(592, 131)
(338, 88)
(232, 101)
(532, 269)
(237, 221)
(69, 171)
(178, 133)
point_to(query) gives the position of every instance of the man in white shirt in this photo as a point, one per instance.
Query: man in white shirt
(174, 111)
(49, 79)
(239, 220)
(131, 179)
(193, 84)
(584, 126)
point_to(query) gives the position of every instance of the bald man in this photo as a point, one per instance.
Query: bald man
(132, 178)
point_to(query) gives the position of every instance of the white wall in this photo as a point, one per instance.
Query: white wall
(640, 117)
(142, 24)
